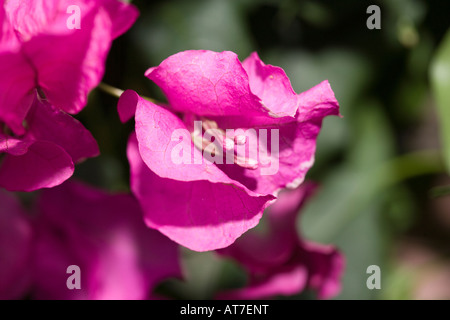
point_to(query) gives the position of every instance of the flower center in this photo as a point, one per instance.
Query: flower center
(208, 137)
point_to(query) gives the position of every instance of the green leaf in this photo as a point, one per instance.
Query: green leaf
(199, 24)
(351, 187)
(347, 209)
(360, 242)
(204, 275)
(440, 82)
(440, 191)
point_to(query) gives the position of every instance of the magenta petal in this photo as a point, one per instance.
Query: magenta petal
(44, 165)
(205, 215)
(288, 167)
(50, 124)
(326, 266)
(206, 83)
(155, 127)
(317, 103)
(297, 144)
(103, 234)
(278, 262)
(75, 65)
(250, 95)
(13, 146)
(284, 211)
(8, 39)
(15, 248)
(272, 86)
(262, 252)
(288, 280)
(17, 82)
(122, 14)
(53, 253)
(127, 104)
(31, 17)
(45, 156)
(217, 85)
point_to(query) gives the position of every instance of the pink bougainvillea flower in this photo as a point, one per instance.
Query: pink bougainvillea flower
(15, 248)
(45, 156)
(52, 53)
(58, 47)
(242, 133)
(278, 262)
(105, 236)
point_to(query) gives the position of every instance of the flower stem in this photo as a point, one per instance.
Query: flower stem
(116, 92)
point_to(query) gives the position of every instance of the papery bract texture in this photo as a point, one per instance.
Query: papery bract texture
(232, 135)
(105, 236)
(52, 54)
(249, 95)
(41, 47)
(201, 214)
(278, 261)
(16, 237)
(45, 156)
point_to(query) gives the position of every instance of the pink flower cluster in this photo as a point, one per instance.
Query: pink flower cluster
(225, 199)
(46, 72)
(183, 192)
(73, 224)
(278, 261)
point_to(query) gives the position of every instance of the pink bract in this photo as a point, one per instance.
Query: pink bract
(105, 236)
(278, 262)
(39, 50)
(47, 68)
(16, 237)
(45, 156)
(192, 203)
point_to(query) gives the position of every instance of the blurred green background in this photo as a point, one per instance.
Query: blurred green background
(383, 198)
